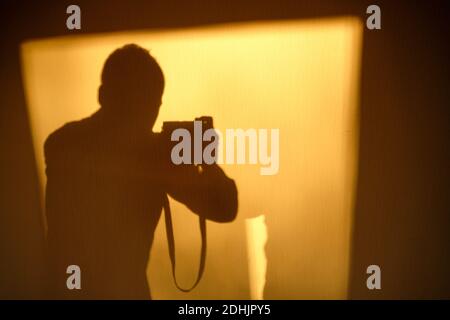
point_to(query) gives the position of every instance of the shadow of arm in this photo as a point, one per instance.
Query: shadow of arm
(209, 192)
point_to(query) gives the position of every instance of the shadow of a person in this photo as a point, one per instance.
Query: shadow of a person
(107, 179)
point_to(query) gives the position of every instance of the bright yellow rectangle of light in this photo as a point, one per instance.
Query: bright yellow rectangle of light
(298, 76)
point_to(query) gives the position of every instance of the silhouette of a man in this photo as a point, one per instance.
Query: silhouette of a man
(107, 177)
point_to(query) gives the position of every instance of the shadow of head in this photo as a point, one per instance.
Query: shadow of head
(132, 85)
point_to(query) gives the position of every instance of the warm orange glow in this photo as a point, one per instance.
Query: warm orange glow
(256, 232)
(298, 76)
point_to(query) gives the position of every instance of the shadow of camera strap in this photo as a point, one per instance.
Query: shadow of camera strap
(171, 243)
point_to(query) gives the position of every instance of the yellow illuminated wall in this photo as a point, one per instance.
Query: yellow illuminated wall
(298, 76)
